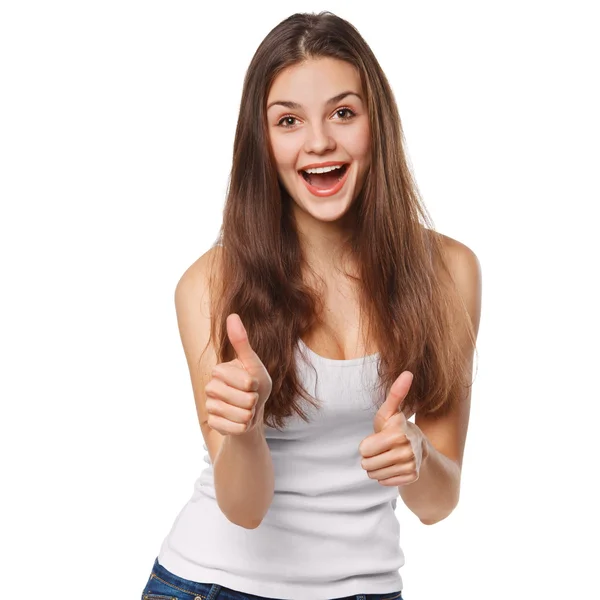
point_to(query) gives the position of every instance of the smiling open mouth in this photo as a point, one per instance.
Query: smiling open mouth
(325, 185)
(327, 180)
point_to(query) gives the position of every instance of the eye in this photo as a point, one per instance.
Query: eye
(280, 123)
(344, 109)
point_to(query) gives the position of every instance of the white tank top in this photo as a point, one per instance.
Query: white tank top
(330, 531)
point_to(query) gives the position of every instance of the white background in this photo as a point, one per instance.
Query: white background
(116, 131)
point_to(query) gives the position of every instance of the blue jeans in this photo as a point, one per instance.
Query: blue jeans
(164, 585)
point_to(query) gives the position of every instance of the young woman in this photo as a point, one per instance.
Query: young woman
(324, 318)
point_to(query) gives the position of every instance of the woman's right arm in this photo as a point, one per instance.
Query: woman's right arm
(243, 468)
(244, 478)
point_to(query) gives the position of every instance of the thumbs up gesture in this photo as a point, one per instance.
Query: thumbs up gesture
(394, 453)
(238, 390)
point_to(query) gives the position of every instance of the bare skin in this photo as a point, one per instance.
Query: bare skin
(319, 129)
(339, 335)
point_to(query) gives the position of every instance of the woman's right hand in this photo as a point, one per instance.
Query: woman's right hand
(238, 390)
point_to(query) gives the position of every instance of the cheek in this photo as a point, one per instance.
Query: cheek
(358, 144)
(286, 155)
(364, 142)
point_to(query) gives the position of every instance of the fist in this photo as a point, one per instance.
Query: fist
(238, 390)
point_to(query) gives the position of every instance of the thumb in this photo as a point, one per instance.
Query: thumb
(393, 402)
(238, 337)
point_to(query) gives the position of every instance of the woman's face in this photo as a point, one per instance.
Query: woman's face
(309, 122)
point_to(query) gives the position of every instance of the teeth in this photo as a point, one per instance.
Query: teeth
(323, 169)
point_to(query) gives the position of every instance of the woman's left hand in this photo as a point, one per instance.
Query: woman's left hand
(394, 453)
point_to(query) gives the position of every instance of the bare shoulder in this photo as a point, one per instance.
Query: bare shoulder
(455, 248)
(465, 269)
(192, 284)
(192, 303)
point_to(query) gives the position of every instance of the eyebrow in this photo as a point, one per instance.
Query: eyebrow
(296, 106)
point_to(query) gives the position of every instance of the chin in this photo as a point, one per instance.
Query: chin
(326, 212)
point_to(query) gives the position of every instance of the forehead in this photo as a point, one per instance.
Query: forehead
(315, 81)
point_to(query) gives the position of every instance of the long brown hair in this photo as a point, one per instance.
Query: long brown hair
(410, 311)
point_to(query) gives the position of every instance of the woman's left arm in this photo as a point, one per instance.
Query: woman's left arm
(434, 495)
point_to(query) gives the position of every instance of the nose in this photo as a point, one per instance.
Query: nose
(318, 140)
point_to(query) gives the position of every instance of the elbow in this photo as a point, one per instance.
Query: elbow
(431, 521)
(437, 518)
(253, 525)
(247, 525)
(241, 518)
